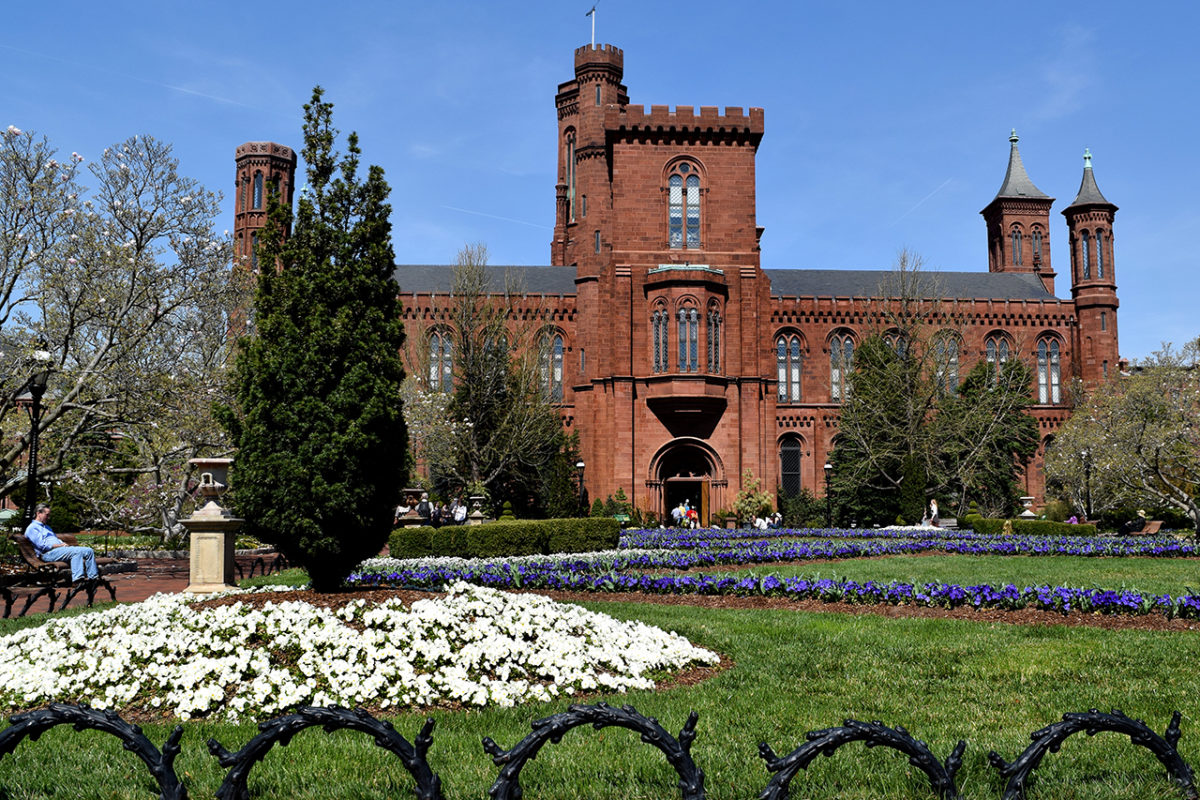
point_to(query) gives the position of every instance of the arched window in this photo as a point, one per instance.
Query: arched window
(258, 190)
(551, 357)
(1049, 389)
(245, 191)
(713, 337)
(789, 367)
(1016, 246)
(996, 349)
(659, 321)
(441, 363)
(1085, 255)
(897, 342)
(791, 449)
(570, 167)
(841, 357)
(945, 351)
(1037, 245)
(683, 206)
(689, 334)
(1099, 254)
(254, 252)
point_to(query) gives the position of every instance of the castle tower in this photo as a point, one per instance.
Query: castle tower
(1018, 224)
(261, 167)
(583, 193)
(1093, 278)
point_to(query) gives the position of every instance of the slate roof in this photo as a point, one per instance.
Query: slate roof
(867, 283)
(1016, 179)
(425, 278)
(1089, 192)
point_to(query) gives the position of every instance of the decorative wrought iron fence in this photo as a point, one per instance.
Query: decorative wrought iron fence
(677, 750)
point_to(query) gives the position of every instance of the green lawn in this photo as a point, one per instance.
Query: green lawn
(1172, 576)
(992, 684)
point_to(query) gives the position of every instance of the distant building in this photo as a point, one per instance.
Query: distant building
(677, 358)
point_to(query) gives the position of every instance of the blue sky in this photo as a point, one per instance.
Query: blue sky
(887, 124)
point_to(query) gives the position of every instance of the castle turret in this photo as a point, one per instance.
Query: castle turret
(262, 167)
(583, 196)
(1093, 277)
(1018, 224)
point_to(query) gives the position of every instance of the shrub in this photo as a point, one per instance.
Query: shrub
(507, 538)
(1025, 527)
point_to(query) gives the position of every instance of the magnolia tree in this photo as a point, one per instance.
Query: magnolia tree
(122, 288)
(1136, 440)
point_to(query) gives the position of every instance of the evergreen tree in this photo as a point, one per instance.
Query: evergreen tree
(320, 436)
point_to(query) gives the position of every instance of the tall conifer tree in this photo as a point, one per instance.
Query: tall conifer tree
(320, 435)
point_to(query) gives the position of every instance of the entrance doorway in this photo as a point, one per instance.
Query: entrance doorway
(694, 491)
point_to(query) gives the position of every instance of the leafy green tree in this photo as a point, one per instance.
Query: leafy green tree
(751, 500)
(1135, 442)
(318, 425)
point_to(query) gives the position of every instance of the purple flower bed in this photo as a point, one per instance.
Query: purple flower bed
(946, 595)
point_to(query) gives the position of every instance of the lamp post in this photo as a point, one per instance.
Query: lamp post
(1087, 485)
(828, 495)
(37, 390)
(582, 499)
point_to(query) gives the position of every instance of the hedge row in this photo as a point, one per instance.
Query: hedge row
(1025, 527)
(505, 538)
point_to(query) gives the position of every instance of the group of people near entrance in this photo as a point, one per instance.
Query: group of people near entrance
(685, 515)
(438, 514)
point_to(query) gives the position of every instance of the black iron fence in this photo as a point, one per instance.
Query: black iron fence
(677, 750)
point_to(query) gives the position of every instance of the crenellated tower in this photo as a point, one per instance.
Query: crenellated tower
(1093, 278)
(262, 167)
(1018, 223)
(583, 193)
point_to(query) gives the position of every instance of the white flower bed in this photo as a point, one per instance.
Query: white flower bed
(476, 646)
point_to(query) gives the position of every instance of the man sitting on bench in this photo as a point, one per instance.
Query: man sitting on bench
(50, 548)
(1134, 525)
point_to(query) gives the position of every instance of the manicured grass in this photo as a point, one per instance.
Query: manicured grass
(943, 680)
(1160, 576)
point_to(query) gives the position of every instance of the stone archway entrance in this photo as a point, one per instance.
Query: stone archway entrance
(688, 470)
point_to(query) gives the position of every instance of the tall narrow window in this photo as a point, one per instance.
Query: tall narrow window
(790, 451)
(254, 251)
(1037, 245)
(1103, 321)
(788, 367)
(1085, 255)
(552, 367)
(258, 190)
(1016, 247)
(841, 357)
(689, 347)
(946, 353)
(245, 191)
(597, 241)
(1099, 254)
(660, 322)
(1049, 388)
(713, 338)
(571, 175)
(996, 349)
(683, 207)
(583, 206)
(597, 94)
(440, 362)
(1104, 366)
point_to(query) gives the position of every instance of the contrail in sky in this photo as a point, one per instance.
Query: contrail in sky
(922, 201)
(494, 216)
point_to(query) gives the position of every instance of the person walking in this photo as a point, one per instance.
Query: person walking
(933, 513)
(50, 548)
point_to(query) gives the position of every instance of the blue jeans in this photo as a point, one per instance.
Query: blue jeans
(83, 560)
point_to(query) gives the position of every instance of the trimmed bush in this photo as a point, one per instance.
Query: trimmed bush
(1025, 527)
(507, 538)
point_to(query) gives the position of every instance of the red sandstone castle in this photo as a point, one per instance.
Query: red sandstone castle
(676, 357)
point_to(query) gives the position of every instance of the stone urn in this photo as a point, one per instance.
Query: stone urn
(213, 530)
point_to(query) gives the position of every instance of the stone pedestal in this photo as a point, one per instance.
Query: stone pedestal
(211, 562)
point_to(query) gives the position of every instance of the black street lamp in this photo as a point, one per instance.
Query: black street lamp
(828, 495)
(37, 390)
(582, 497)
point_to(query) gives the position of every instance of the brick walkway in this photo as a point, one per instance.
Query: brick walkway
(153, 575)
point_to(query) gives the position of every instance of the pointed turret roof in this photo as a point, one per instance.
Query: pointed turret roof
(1016, 179)
(1089, 192)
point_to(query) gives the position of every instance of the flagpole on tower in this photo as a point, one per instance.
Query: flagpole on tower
(592, 14)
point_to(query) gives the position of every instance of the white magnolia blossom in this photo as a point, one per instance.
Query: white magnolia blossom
(475, 646)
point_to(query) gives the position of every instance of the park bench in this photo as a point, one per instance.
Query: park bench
(47, 577)
(1152, 526)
